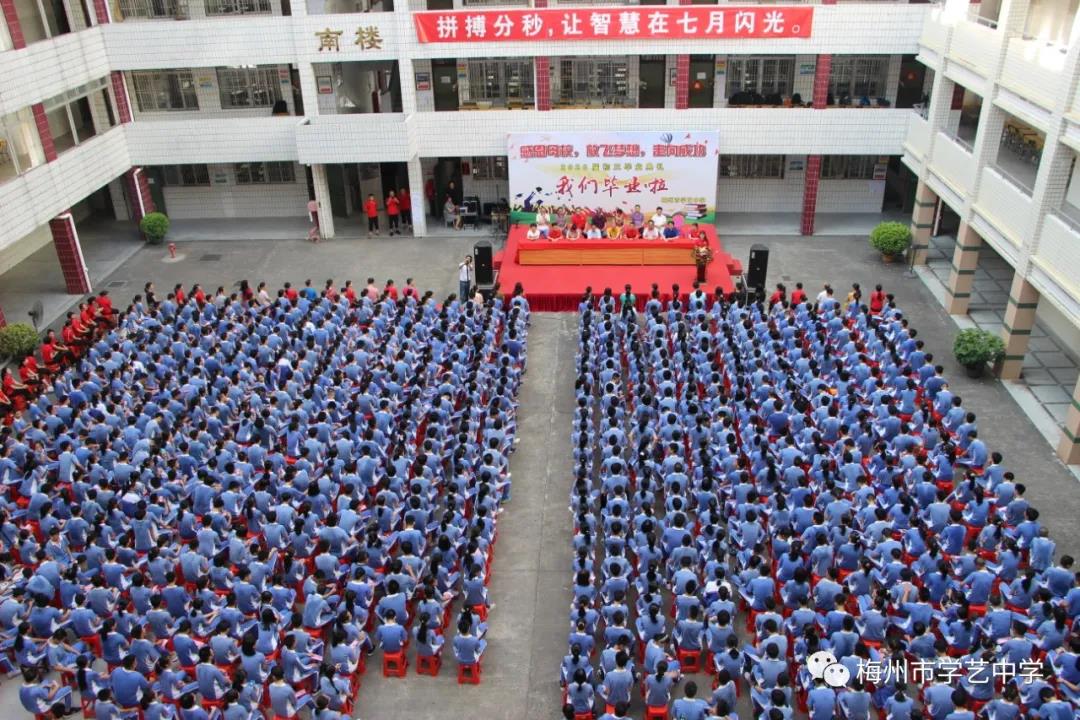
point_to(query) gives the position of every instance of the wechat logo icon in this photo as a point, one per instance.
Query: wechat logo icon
(823, 665)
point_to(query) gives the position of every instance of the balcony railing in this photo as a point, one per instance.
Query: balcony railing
(975, 17)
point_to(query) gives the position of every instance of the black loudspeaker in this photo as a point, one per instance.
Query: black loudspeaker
(483, 267)
(758, 267)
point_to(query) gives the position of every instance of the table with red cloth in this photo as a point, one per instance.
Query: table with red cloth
(554, 273)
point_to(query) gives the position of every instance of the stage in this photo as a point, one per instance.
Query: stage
(558, 285)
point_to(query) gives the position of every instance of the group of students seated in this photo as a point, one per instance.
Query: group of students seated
(223, 505)
(82, 326)
(757, 483)
(585, 224)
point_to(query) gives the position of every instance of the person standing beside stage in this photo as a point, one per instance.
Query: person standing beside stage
(371, 209)
(465, 278)
(393, 214)
(406, 207)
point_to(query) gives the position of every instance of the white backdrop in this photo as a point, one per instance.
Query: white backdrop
(609, 170)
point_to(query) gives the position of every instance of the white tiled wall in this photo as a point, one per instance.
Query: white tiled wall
(225, 199)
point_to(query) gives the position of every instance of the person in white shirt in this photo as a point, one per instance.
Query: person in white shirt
(533, 232)
(543, 222)
(823, 294)
(651, 232)
(659, 220)
(464, 277)
(593, 233)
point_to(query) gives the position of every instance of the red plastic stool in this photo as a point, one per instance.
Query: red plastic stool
(468, 673)
(689, 661)
(94, 643)
(659, 712)
(481, 611)
(428, 664)
(394, 664)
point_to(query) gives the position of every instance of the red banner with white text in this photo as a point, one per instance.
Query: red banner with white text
(686, 22)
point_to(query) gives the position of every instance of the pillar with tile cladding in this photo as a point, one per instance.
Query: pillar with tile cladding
(11, 18)
(69, 252)
(542, 72)
(962, 276)
(137, 188)
(1068, 448)
(922, 221)
(1019, 321)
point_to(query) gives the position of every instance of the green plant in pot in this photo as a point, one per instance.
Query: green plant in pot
(155, 226)
(974, 348)
(891, 239)
(17, 341)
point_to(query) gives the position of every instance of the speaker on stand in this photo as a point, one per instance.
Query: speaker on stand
(484, 266)
(757, 268)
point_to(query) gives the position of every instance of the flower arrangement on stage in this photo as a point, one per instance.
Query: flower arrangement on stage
(702, 254)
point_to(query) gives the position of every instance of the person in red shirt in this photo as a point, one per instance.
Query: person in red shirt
(579, 218)
(349, 292)
(198, 295)
(630, 233)
(393, 213)
(798, 295)
(291, 293)
(330, 291)
(779, 296)
(406, 207)
(391, 289)
(178, 294)
(410, 290)
(104, 303)
(877, 300)
(371, 209)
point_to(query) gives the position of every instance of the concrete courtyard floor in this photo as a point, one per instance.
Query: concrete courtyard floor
(531, 579)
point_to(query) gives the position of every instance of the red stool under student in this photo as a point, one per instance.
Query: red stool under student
(94, 643)
(689, 661)
(468, 673)
(659, 712)
(394, 664)
(428, 664)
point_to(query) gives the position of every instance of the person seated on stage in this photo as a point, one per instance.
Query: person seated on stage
(579, 219)
(679, 221)
(593, 233)
(599, 218)
(573, 233)
(556, 233)
(637, 218)
(630, 232)
(614, 229)
(695, 233)
(651, 232)
(543, 221)
(670, 231)
(562, 217)
(533, 232)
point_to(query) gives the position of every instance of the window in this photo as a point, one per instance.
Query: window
(752, 166)
(20, 144)
(501, 80)
(249, 87)
(854, 77)
(79, 114)
(489, 168)
(237, 7)
(265, 173)
(149, 9)
(762, 76)
(594, 81)
(165, 90)
(848, 167)
(186, 175)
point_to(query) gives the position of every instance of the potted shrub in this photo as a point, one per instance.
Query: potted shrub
(974, 348)
(154, 226)
(891, 239)
(17, 341)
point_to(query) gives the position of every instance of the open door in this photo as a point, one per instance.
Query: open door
(651, 80)
(444, 77)
(447, 170)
